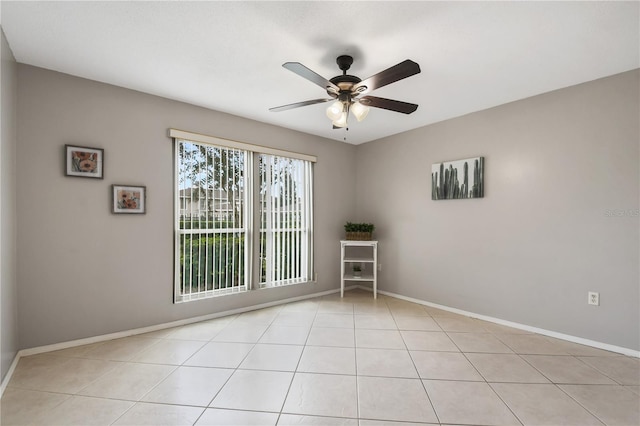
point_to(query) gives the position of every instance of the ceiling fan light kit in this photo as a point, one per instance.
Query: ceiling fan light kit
(345, 90)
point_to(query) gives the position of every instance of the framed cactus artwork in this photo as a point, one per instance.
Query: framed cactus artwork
(459, 179)
(81, 161)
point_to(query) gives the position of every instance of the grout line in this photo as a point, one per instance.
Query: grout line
(580, 404)
(597, 369)
(304, 346)
(522, 357)
(355, 360)
(125, 412)
(200, 416)
(505, 404)
(293, 377)
(485, 379)
(406, 348)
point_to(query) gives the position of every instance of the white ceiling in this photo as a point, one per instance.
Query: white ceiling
(227, 56)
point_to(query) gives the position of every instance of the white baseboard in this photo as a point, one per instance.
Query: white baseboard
(10, 371)
(561, 336)
(133, 332)
(143, 330)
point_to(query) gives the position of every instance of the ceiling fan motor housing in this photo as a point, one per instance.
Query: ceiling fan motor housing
(345, 82)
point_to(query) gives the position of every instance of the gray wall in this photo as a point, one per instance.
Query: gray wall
(540, 239)
(8, 283)
(528, 252)
(85, 272)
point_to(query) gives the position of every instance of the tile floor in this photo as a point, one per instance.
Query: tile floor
(328, 361)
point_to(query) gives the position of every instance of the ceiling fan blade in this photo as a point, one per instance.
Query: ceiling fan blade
(312, 76)
(390, 104)
(299, 104)
(390, 75)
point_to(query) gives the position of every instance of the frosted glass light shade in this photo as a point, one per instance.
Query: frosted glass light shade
(334, 111)
(341, 121)
(359, 110)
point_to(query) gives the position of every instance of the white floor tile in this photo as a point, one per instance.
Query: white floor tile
(342, 337)
(144, 413)
(623, 369)
(272, 357)
(203, 331)
(539, 404)
(254, 391)
(85, 411)
(335, 307)
(173, 352)
(394, 399)
(375, 322)
(428, 341)
(298, 420)
(322, 395)
(295, 319)
(329, 360)
(128, 381)
(241, 333)
(220, 354)
(505, 368)
(385, 363)
(189, 386)
(613, 405)
(421, 323)
(567, 370)
(220, 417)
(24, 407)
(445, 366)
(379, 339)
(285, 335)
(351, 361)
(472, 403)
(479, 342)
(57, 374)
(333, 320)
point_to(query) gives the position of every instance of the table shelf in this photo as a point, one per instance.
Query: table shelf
(367, 261)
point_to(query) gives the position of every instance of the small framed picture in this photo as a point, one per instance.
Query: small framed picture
(129, 199)
(84, 162)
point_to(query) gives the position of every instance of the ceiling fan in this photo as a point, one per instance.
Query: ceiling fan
(348, 90)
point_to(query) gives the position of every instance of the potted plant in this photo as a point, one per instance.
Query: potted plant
(359, 231)
(357, 271)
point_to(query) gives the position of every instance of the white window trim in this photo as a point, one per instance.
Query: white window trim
(228, 143)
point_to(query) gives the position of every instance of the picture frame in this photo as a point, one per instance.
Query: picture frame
(458, 179)
(129, 199)
(82, 161)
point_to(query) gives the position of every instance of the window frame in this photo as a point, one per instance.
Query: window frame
(179, 232)
(273, 221)
(251, 216)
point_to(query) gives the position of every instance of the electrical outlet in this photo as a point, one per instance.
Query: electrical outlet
(594, 298)
(379, 267)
